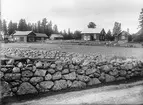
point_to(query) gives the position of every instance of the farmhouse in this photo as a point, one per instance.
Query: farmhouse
(93, 34)
(56, 36)
(122, 36)
(40, 37)
(28, 36)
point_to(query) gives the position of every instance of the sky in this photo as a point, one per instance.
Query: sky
(75, 14)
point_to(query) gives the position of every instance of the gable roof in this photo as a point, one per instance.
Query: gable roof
(91, 30)
(41, 35)
(22, 32)
(124, 33)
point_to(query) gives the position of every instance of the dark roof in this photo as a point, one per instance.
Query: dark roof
(41, 35)
(124, 33)
(22, 32)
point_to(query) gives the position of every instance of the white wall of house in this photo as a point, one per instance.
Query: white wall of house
(20, 38)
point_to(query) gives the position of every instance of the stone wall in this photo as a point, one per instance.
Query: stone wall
(33, 76)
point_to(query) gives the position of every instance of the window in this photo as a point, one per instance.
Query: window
(22, 39)
(123, 37)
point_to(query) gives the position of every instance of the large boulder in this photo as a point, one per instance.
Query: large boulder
(60, 84)
(57, 76)
(83, 78)
(94, 81)
(46, 85)
(27, 73)
(26, 88)
(109, 78)
(78, 84)
(123, 73)
(35, 80)
(90, 71)
(48, 77)
(40, 72)
(70, 76)
(107, 68)
(51, 71)
(16, 70)
(12, 76)
(39, 64)
(65, 71)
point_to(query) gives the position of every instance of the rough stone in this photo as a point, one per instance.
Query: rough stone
(57, 76)
(48, 77)
(14, 89)
(20, 65)
(10, 62)
(46, 65)
(40, 72)
(90, 71)
(39, 64)
(114, 72)
(94, 81)
(4, 70)
(46, 84)
(52, 71)
(65, 71)
(70, 76)
(5, 89)
(80, 71)
(25, 79)
(60, 84)
(59, 67)
(12, 76)
(123, 73)
(1, 74)
(13, 84)
(27, 73)
(53, 66)
(69, 83)
(26, 88)
(35, 80)
(109, 78)
(120, 78)
(96, 75)
(106, 68)
(83, 78)
(71, 66)
(16, 70)
(78, 84)
(129, 66)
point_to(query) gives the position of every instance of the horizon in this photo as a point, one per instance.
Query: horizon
(75, 14)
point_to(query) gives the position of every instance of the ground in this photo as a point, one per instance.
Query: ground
(118, 51)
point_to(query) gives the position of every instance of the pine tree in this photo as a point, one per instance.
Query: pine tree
(141, 19)
(10, 28)
(55, 29)
(4, 27)
(22, 26)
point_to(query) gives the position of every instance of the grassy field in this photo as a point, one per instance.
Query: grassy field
(118, 51)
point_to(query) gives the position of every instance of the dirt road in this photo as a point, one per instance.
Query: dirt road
(117, 94)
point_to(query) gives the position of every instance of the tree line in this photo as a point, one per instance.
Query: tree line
(41, 26)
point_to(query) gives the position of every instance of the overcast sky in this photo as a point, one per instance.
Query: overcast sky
(75, 14)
